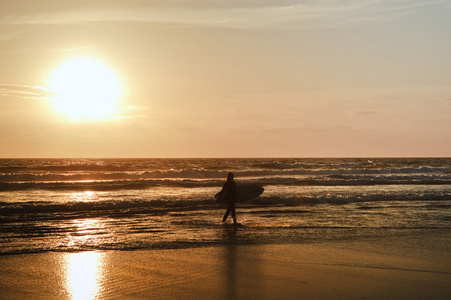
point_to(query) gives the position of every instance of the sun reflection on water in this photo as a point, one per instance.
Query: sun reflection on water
(86, 234)
(84, 274)
(84, 196)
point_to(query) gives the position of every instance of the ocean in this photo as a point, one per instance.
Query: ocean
(68, 205)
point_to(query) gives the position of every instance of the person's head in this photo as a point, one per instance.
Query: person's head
(230, 176)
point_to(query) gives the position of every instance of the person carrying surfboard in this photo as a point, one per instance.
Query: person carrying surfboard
(229, 189)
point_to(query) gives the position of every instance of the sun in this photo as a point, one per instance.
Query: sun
(84, 88)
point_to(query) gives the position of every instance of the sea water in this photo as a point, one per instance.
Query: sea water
(126, 204)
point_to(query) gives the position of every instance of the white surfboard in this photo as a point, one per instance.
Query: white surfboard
(243, 193)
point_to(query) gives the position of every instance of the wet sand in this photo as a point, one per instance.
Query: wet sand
(406, 268)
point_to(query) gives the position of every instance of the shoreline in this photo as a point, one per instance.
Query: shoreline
(382, 268)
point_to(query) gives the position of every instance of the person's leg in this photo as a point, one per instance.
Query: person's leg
(234, 215)
(226, 215)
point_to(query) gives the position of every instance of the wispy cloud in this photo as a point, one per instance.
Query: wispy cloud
(231, 14)
(25, 91)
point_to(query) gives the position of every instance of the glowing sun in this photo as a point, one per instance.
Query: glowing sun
(85, 89)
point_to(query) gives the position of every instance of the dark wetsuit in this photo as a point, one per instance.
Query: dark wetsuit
(230, 189)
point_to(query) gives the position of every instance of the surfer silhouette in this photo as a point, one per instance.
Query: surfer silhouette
(229, 189)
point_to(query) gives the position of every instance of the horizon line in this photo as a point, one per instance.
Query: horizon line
(235, 157)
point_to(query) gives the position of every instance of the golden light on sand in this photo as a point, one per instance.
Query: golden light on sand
(84, 273)
(85, 89)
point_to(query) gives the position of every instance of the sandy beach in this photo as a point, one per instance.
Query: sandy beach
(414, 267)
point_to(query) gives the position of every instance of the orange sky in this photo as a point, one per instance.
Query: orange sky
(228, 78)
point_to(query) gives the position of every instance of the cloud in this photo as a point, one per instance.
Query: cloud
(25, 91)
(227, 14)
